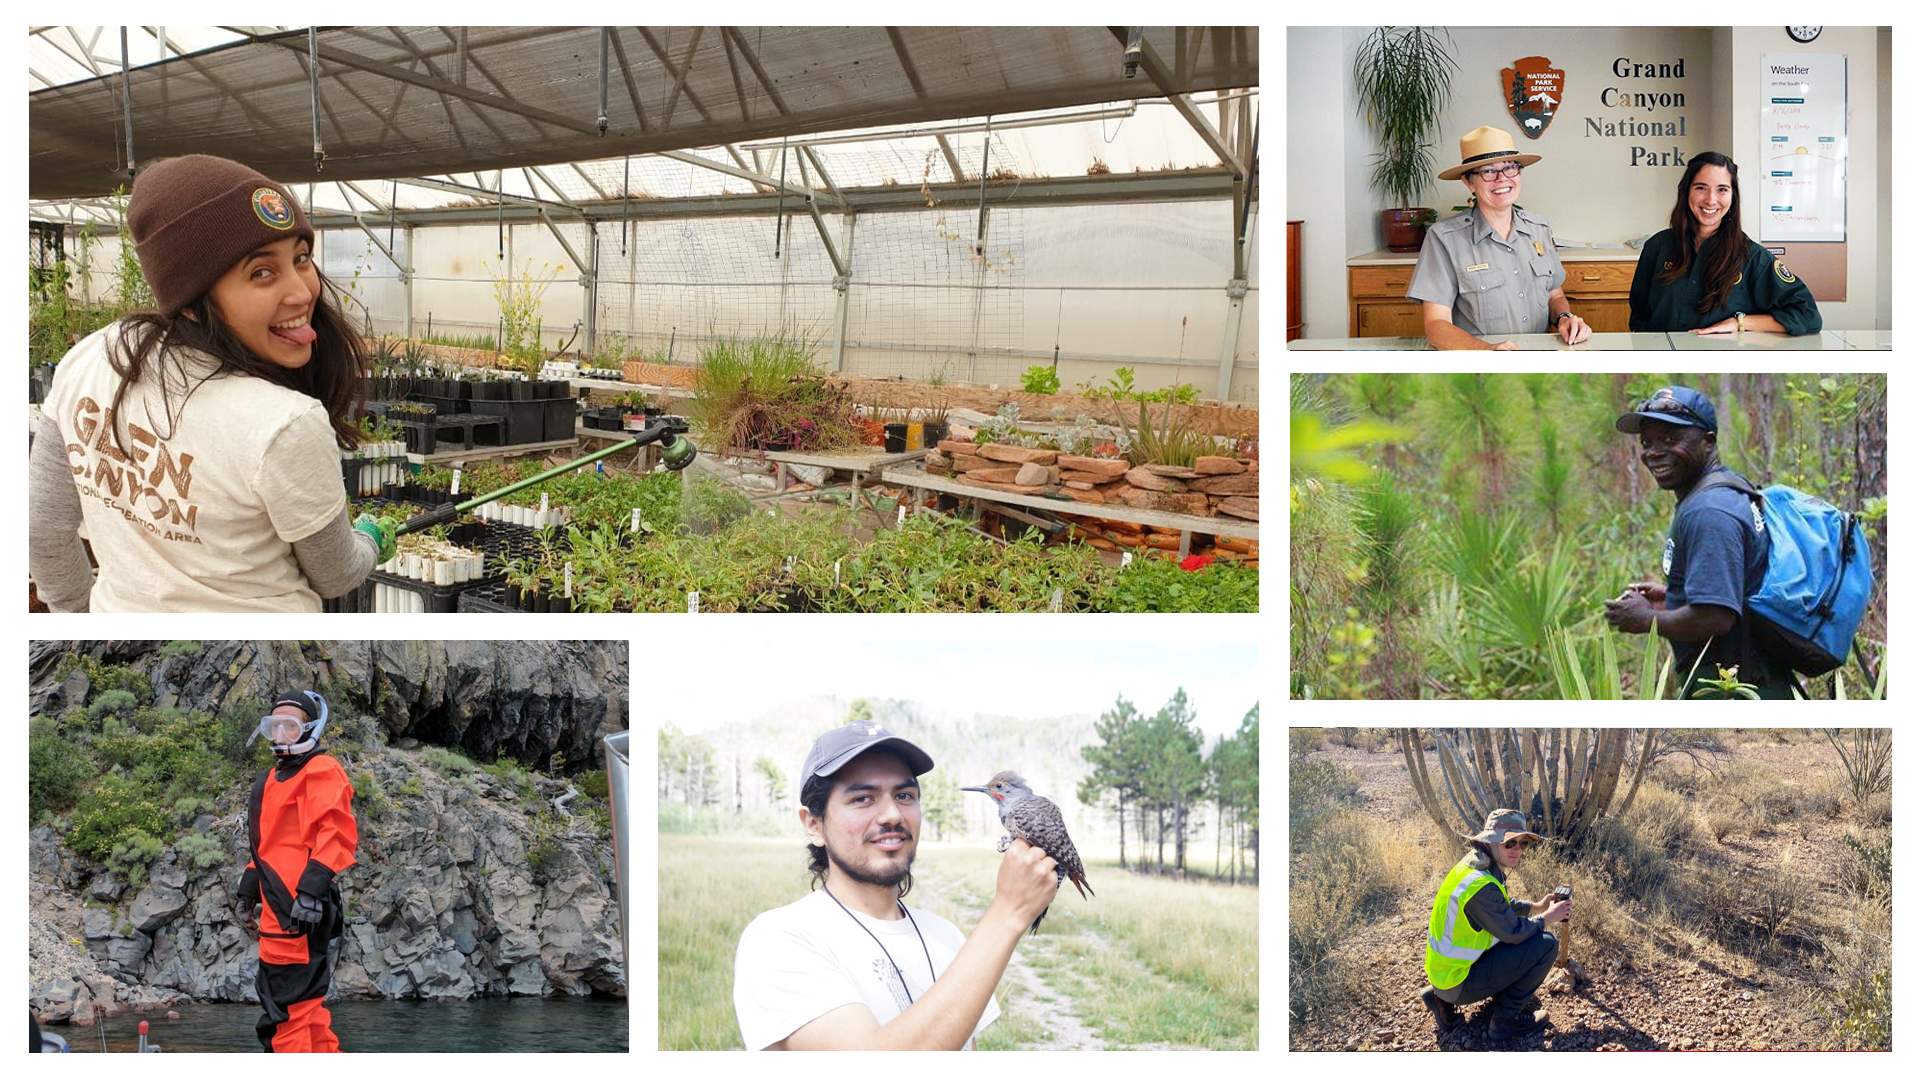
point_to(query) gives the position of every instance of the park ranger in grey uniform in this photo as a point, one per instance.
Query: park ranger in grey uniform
(1492, 269)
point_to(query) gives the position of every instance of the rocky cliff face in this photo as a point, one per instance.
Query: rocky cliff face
(465, 884)
(527, 699)
(443, 904)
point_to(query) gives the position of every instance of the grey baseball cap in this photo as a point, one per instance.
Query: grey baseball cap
(835, 748)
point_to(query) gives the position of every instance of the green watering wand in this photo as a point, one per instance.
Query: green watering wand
(675, 451)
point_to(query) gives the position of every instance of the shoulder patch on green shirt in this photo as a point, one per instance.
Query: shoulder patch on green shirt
(1782, 272)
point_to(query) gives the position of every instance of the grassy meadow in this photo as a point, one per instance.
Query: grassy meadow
(1148, 962)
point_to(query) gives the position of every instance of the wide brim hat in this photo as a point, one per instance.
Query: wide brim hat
(1484, 146)
(1503, 824)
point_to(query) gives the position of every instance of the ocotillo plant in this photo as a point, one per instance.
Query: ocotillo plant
(1562, 779)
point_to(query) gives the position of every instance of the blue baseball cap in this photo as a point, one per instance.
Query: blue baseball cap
(1679, 405)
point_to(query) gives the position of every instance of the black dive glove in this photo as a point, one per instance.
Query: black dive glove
(246, 896)
(307, 914)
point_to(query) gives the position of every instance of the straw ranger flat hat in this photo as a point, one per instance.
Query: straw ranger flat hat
(1502, 826)
(1484, 146)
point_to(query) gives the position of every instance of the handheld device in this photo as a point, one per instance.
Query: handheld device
(1563, 893)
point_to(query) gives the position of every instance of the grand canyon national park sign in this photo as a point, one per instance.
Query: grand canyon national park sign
(1639, 109)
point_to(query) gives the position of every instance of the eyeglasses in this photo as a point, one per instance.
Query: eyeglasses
(1497, 172)
(1514, 844)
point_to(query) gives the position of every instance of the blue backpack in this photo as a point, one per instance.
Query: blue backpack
(1811, 601)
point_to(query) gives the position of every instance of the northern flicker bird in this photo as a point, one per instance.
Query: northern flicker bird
(1036, 821)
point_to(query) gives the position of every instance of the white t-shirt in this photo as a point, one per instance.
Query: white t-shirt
(202, 509)
(800, 961)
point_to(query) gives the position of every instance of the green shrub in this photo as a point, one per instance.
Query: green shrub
(411, 788)
(199, 850)
(56, 768)
(450, 762)
(1305, 740)
(1040, 378)
(594, 784)
(113, 701)
(368, 796)
(111, 810)
(180, 648)
(1159, 585)
(1873, 868)
(132, 855)
(507, 771)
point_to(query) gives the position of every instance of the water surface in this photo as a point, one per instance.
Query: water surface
(489, 1025)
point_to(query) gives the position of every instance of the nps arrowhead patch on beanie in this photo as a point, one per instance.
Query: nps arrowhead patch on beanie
(192, 217)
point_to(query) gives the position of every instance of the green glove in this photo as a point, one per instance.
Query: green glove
(381, 530)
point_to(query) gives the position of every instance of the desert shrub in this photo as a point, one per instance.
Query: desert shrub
(448, 761)
(411, 788)
(1821, 799)
(1865, 755)
(112, 809)
(56, 768)
(1317, 790)
(199, 850)
(1781, 892)
(180, 648)
(112, 702)
(1339, 877)
(1305, 740)
(1856, 996)
(132, 855)
(1869, 870)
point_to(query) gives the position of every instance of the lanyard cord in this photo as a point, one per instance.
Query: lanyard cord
(908, 1000)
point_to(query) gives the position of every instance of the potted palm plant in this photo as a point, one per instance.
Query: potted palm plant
(1402, 76)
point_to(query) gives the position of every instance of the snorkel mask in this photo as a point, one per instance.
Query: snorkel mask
(291, 736)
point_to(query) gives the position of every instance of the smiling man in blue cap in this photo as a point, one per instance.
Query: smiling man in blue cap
(1715, 555)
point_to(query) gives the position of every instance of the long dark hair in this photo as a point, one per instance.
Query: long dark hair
(332, 377)
(1727, 248)
(815, 796)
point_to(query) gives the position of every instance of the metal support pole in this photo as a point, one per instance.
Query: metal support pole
(842, 283)
(604, 53)
(405, 273)
(126, 100)
(591, 296)
(1232, 327)
(312, 46)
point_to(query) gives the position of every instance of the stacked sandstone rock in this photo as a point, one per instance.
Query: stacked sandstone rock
(1211, 486)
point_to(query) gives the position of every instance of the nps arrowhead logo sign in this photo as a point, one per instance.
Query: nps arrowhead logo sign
(1532, 89)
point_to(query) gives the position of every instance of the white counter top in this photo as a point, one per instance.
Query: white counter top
(1569, 254)
(1826, 341)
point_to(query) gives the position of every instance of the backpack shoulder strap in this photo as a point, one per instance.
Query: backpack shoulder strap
(1722, 477)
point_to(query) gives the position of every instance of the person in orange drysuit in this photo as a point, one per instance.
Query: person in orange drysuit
(303, 833)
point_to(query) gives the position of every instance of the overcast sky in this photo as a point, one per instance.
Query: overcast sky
(1018, 678)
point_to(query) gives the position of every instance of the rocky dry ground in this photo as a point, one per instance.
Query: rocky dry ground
(1695, 995)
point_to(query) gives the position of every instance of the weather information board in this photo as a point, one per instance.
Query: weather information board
(1805, 146)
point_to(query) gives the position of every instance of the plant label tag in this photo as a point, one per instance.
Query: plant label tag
(545, 503)
(691, 603)
(1057, 600)
(837, 574)
(1125, 562)
(790, 560)
(457, 474)
(635, 514)
(900, 511)
(568, 580)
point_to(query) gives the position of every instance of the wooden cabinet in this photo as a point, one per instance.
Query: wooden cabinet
(1597, 291)
(1293, 266)
(1377, 306)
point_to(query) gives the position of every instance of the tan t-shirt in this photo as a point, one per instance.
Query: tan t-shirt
(201, 510)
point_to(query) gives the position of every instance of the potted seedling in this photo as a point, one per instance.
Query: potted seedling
(1402, 76)
(936, 425)
(896, 429)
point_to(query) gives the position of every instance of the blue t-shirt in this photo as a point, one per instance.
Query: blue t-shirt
(1717, 553)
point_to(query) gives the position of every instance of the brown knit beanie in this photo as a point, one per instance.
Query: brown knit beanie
(192, 217)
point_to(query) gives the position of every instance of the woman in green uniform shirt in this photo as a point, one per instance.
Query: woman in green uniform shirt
(1704, 275)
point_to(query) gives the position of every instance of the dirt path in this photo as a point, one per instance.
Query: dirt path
(1049, 1009)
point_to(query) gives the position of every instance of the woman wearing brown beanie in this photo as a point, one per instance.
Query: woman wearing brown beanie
(197, 444)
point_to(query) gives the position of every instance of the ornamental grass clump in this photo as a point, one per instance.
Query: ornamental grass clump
(767, 393)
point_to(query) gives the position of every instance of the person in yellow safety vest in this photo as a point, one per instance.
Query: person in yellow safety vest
(1483, 944)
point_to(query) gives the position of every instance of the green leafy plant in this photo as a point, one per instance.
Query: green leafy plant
(1172, 442)
(1402, 80)
(200, 850)
(520, 299)
(1040, 378)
